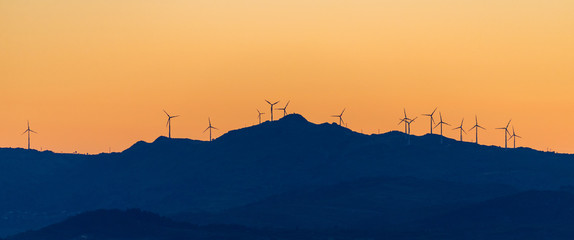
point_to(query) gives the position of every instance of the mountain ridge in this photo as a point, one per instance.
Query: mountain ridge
(250, 164)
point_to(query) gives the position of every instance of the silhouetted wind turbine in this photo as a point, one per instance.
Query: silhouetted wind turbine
(505, 133)
(431, 119)
(209, 128)
(441, 123)
(168, 124)
(28, 130)
(406, 121)
(409, 124)
(461, 129)
(476, 127)
(272, 104)
(284, 109)
(259, 115)
(514, 136)
(340, 116)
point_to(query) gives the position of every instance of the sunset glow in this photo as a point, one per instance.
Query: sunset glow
(95, 75)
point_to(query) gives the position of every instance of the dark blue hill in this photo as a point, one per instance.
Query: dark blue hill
(524, 215)
(244, 166)
(135, 224)
(361, 204)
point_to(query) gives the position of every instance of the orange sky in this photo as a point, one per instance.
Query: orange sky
(90, 75)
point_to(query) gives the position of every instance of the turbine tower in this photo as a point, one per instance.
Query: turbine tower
(514, 136)
(409, 124)
(259, 115)
(28, 130)
(284, 109)
(209, 128)
(441, 123)
(168, 124)
(272, 104)
(461, 129)
(406, 121)
(431, 119)
(340, 116)
(476, 127)
(505, 133)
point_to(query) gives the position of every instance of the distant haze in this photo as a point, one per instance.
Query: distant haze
(90, 75)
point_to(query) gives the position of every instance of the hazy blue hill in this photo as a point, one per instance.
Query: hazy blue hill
(361, 204)
(524, 215)
(248, 165)
(140, 225)
(135, 224)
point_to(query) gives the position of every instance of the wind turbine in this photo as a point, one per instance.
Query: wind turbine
(209, 128)
(441, 123)
(168, 124)
(272, 104)
(409, 124)
(431, 119)
(505, 133)
(28, 130)
(406, 121)
(514, 136)
(476, 127)
(461, 129)
(340, 116)
(259, 115)
(284, 108)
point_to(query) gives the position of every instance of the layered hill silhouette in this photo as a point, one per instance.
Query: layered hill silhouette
(525, 215)
(249, 167)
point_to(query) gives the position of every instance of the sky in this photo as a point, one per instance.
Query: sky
(94, 76)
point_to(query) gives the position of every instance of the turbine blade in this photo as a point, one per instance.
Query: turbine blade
(343, 111)
(268, 102)
(206, 129)
(472, 127)
(508, 123)
(434, 111)
(287, 103)
(175, 116)
(166, 113)
(482, 127)
(33, 131)
(275, 102)
(25, 132)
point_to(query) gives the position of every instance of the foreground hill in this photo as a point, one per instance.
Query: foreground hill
(140, 225)
(364, 204)
(525, 215)
(249, 165)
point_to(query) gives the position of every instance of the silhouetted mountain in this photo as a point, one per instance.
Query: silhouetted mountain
(140, 225)
(248, 165)
(525, 215)
(362, 204)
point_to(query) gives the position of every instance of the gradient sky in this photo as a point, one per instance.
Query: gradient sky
(94, 75)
